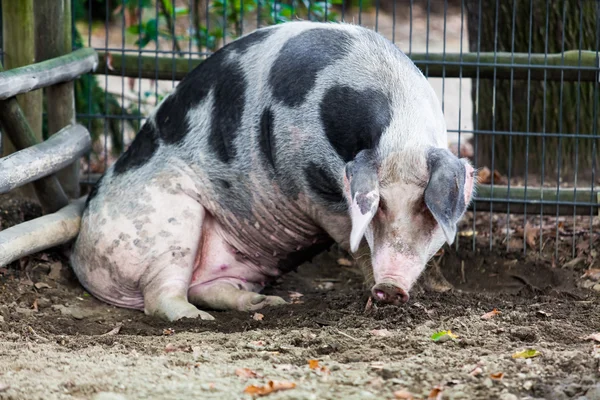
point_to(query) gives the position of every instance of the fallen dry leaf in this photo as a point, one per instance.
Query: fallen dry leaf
(593, 336)
(484, 175)
(530, 235)
(592, 274)
(497, 376)
(42, 285)
(168, 331)
(403, 395)
(55, 270)
(295, 297)
(169, 348)
(109, 61)
(246, 373)
(313, 364)
(258, 317)
(380, 332)
(270, 387)
(491, 314)
(369, 305)
(113, 331)
(435, 394)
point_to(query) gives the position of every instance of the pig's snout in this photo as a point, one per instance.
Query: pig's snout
(389, 293)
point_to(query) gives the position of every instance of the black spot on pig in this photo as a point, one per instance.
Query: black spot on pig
(94, 192)
(354, 120)
(295, 70)
(227, 111)
(324, 184)
(266, 140)
(244, 43)
(141, 150)
(297, 258)
(218, 72)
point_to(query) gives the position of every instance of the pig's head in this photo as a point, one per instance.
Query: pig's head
(406, 206)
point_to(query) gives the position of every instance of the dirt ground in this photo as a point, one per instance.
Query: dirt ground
(58, 342)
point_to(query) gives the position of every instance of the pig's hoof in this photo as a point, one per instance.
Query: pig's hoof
(173, 309)
(258, 301)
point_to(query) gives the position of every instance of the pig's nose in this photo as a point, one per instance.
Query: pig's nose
(389, 293)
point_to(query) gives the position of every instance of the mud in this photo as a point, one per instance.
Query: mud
(58, 342)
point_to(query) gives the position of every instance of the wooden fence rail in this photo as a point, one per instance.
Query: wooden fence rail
(571, 65)
(44, 158)
(39, 162)
(47, 73)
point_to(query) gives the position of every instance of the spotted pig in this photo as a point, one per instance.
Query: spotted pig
(284, 141)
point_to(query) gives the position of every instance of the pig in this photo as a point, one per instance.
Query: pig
(283, 142)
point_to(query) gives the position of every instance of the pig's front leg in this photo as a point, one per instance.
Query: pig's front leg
(224, 281)
(224, 296)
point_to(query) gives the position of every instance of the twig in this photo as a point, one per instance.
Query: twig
(171, 27)
(36, 335)
(348, 336)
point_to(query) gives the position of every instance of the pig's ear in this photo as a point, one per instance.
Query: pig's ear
(445, 192)
(363, 194)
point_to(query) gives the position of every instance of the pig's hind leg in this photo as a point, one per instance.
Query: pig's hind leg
(177, 232)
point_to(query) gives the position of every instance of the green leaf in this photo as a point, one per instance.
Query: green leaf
(151, 29)
(134, 29)
(528, 353)
(179, 11)
(443, 336)
(168, 6)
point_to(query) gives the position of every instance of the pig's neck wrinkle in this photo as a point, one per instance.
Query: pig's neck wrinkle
(272, 236)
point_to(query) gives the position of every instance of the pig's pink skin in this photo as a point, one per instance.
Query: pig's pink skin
(401, 257)
(390, 266)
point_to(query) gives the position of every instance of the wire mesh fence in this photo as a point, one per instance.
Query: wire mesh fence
(517, 81)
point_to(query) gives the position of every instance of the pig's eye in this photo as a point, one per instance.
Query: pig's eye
(382, 205)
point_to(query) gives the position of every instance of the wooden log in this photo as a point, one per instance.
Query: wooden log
(45, 158)
(41, 233)
(15, 126)
(46, 73)
(18, 45)
(534, 200)
(457, 65)
(53, 27)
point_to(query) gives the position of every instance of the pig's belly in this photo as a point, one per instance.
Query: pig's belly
(218, 262)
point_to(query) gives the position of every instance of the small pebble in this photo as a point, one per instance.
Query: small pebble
(508, 396)
(596, 287)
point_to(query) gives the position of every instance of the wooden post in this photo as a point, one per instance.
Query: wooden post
(53, 27)
(19, 45)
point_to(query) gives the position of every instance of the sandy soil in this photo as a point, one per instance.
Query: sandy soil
(58, 342)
